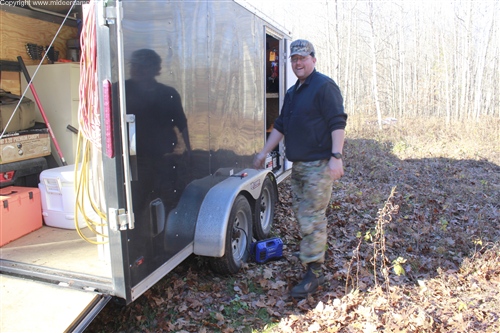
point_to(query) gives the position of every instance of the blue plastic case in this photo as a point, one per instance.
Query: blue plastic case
(267, 249)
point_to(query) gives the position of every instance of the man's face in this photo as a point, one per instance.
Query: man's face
(303, 66)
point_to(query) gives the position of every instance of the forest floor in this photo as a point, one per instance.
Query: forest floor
(413, 246)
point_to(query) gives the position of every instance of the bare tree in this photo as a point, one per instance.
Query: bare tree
(481, 65)
(412, 58)
(374, 63)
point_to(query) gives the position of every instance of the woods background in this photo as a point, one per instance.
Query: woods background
(390, 58)
(403, 58)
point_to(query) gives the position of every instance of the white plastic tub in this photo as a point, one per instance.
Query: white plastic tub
(58, 198)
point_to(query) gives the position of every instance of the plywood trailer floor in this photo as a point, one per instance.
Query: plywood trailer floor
(28, 308)
(59, 249)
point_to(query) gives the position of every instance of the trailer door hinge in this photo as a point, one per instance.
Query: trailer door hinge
(117, 219)
(110, 15)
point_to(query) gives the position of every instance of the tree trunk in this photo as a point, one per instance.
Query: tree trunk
(374, 65)
(480, 68)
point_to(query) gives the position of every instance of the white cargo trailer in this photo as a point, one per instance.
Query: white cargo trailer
(173, 176)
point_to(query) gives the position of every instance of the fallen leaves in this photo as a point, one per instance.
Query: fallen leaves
(444, 236)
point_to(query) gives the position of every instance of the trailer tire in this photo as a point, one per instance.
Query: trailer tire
(238, 238)
(264, 210)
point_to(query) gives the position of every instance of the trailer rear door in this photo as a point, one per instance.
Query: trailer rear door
(32, 306)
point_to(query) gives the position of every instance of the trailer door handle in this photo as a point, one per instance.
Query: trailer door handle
(130, 118)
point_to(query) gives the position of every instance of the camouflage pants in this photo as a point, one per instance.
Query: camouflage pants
(312, 190)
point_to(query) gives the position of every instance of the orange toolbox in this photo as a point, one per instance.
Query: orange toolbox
(20, 212)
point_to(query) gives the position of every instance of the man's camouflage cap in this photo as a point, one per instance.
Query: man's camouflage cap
(301, 47)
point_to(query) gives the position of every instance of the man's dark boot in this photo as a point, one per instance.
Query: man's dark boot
(312, 280)
(296, 254)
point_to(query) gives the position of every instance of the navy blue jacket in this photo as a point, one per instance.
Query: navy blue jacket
(309, 115)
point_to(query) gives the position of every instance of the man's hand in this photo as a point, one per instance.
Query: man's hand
(272, 141)
(258, 161)
(335, 168)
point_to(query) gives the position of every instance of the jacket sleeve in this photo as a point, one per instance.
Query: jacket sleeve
(331, 105)
(278, 123)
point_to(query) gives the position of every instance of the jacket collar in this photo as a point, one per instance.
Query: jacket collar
(307, 81)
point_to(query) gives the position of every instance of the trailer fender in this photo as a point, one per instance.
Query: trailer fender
(211, 226)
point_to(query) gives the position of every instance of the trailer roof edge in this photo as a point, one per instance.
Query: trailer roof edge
(247, 5)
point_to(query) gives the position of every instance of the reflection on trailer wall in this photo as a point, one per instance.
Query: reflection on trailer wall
(185, 75)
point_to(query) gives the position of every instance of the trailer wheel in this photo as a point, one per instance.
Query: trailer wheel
(238, 238)
(264, 210)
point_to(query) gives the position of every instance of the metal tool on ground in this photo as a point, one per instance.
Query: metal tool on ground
(39, 104)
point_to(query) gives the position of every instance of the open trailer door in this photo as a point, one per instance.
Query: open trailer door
(33, 306)
(185, 107)
(152, 202)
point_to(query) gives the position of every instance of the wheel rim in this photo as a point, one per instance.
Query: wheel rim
(265, 210)
(239, 235)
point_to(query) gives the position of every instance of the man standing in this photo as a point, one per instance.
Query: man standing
(312, 121)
